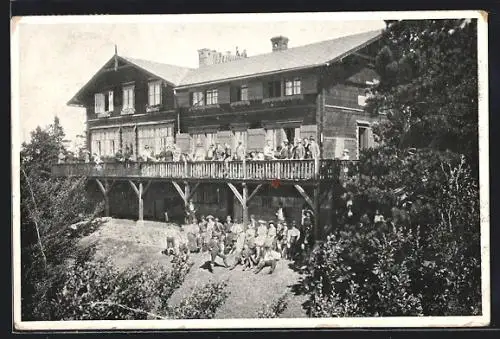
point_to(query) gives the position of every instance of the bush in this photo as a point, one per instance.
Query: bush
(425, 260)
(94, 289)
(360, 272)
(274, 309)
(202, 303)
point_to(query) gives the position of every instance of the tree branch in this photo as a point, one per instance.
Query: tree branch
(107, 303)
(34, 217)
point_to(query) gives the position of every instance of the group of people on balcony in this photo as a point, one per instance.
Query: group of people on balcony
(300, 149)
(254, 246)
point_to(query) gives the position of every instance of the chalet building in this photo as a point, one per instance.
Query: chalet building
(316, 90)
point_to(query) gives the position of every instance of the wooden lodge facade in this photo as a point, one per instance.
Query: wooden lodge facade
(316, 90)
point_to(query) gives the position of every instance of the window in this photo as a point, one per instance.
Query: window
(105, 142)
(198, 99)
(212, 96)
(157, 137)
(274, 89)
(154, 93)
(239, 93)
(103, 102)
(292, 87)
(209, 194)
(363, 136)
(361, 100)
(244, 93)
(128, 98)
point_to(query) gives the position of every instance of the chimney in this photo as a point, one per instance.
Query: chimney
(279, 43)
(207, 57)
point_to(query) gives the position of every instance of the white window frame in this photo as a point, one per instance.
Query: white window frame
(198, 99)
(100, 102)
(212, 97)
(244, 90)
(128, 99)
(292, 86)
(154, 93)
(364, 125)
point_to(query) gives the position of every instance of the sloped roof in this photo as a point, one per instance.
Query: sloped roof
(171, 73)
(306, 56)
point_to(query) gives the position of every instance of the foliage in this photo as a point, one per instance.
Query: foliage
(275, 308)
(424, 259)
(94, 289)
(429, 86)
(202, 303)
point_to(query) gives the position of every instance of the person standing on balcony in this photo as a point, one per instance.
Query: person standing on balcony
(313, 148)
(210, 153)
(176, 153)
(169, 155)
(307, 153)
(268, 151)
(199, 153)
(119, 156)
(299, 151)
(284, 150)
(240, 151)
(345, 154)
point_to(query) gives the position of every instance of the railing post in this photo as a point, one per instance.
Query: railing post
(185, 169)
(244, 168)
(316, 168)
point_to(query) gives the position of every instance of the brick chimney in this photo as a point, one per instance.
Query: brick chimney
(279, 43)
(207, 57)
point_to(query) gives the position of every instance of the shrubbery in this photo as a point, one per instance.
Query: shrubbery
(423, 260)
(275, 308)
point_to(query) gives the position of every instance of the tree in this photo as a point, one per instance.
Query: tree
(429, 85)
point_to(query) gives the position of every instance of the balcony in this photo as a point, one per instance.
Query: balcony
(260, 171)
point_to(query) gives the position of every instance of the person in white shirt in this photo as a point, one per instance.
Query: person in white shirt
(345, 154)
(269, 259)
(313, 148)
(268, 151)
(293, 236)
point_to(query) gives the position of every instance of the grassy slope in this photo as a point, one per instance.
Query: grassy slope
(127, 244)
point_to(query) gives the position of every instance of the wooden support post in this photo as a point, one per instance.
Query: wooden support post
(179, 190)
(141, 202)
(192, 190)
(304, 195)
(187, 193)
(236, 193)
(139, 191)
(245, 204)
(105, 188)
(317, 225)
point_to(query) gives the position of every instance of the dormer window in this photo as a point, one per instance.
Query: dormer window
(154, 93)
(292, 86)
(103, 102)
(128, 99)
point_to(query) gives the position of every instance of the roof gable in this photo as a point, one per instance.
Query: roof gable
(170, 73)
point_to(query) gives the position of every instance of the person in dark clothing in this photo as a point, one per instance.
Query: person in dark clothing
(216, 249)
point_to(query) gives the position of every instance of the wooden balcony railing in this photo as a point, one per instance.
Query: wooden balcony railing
(296, 170)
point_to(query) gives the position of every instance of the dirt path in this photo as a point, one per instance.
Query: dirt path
(126, 243)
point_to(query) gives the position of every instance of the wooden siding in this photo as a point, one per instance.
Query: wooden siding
(115, 80)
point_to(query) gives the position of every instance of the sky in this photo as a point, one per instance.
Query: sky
(56, 58)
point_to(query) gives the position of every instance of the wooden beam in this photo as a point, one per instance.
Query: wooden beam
(179, 190)
(245, 204)
(316, 209)
(255, 191)
(101, 187)
(304, 195)
(134, 187)
(187, 189)
(236, 193)
(192, 190)
(141, 202)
